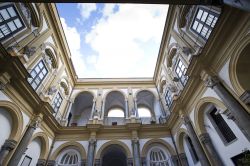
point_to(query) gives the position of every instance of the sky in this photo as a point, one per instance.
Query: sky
(113, 40)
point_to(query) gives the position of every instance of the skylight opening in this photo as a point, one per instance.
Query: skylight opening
(113, 40)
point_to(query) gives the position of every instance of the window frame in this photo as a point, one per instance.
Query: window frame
(54, 104)
(203, 24)
(192, 150)
(183, 78)
(26, 157)
(38, 73)
(11, 19)
(168, 98)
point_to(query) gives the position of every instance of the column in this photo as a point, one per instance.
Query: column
(41, 162)
(136, 153)
(126, 108)
(183, 159)
(198, 148)
(8, 146)
(143, 161)
(93, 109)
(91, 152)
(130, 162)
(174, 160)
(237, 110)
(205, 139)
(136, 109)
(21, 148)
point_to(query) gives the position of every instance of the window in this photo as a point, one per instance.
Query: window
(204, 22)
(158, 158)
(57, 102)
(38, 74)
(26, 161)
(181, 71)
(69, 159)
(192, 150)
(168, 98)
(10, 21)
(221, 126)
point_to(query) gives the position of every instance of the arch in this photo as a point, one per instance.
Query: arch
(50, 54)
(199, 111)
(172, 50)
(180, 138)
(74, 96)
(74, 145)
(235, 56)
(147, 145)
(45, 144)
(114, 99)
(140, 90)
(17, 117)
(35, 14)
(114, 90)
(113, 142)
(181, 21)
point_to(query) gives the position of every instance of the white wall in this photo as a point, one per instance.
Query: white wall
(33, 151)
(5, 124)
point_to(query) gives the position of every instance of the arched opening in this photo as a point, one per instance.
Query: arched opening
(69, 157)
(6, 121)
(113, 155)
(157, 156)
(115, 108)
(81, 109)
(146, 104)
(242, 72)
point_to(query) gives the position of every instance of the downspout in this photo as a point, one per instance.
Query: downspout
(51, 148)
(179, 160)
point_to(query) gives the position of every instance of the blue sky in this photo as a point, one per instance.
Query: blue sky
(113, 40)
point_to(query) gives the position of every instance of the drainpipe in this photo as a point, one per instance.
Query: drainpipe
(179, 160)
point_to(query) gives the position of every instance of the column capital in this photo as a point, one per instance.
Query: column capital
(51, 163)
(204, 138)
(186, 119)
(41, 162)
(9, 144)
(92, 141)
(35, 123)
(211, 81)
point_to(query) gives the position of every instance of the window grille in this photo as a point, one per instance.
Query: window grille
(168, 98)
(224, 130)
(181, 71)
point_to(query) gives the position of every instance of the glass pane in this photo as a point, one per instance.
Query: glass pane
(209, 19)
(5, 14)
(195, 25)
(37, 80)
(41, 64)
(33, 74)
(204, 16)
(11, 11)
(1, 35)
(199, 28)
(44, 71)
(34, 85)
(5, 29)
(41, 76)
(199, 14)
(37, 69)
(12, 26)
(18, 23)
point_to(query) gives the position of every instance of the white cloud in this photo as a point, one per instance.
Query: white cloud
(74, 42)
(120, 40)
(86, 9)
(108, 9)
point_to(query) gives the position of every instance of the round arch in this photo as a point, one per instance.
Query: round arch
(72, 144)
(45, 144)
(35, 14)
(140, 90)
(80, 92)
(17, 117)
(147, 145)
(114, 90)
(199, 111)
(180, 138)
(114, 142)
(235, 55)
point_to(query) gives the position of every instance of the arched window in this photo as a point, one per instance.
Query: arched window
(115, 112)
(69, 158)
(144, 112)
(158, 158)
